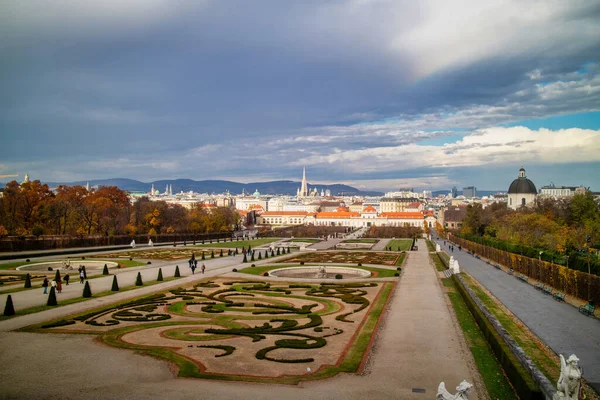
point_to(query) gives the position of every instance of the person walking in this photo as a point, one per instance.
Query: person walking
(193, 269)
(45, 285)
(59, 284)
(81, 276)
(53, 284)
(66, 278)
(203, 268)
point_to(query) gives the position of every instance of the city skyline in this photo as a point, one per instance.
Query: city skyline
(377, 95)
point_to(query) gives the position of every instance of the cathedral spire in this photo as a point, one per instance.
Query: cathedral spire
(304, 188)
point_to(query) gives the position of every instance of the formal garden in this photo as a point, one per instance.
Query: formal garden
(246, 330)
(351, 257)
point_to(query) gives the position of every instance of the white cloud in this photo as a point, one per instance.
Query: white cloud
(493, 146)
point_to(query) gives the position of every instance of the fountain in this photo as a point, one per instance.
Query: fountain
(320, 272)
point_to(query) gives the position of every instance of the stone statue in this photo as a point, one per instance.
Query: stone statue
(150, 242)
(132, 244)
(455, 268)
(437, 247)
(462, 392)
(322, 272)
(570, 379)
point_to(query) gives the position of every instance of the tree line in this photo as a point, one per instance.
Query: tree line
(31, 208)
(564, 230)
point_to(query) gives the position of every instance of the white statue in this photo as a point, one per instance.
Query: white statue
(462, 392)
(437, 247)
(455, 268)
(570, 379)
(150, 242)
(132, 244)
(322, 272)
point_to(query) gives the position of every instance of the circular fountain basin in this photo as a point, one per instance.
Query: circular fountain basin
(90, 266)
(315, 272)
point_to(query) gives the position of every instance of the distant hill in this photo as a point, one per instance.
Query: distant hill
(216, 186)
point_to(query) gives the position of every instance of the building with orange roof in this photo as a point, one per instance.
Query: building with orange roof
(279, 218)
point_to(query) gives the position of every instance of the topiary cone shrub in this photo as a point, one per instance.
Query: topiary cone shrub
(252, 257)
(259, 256)
(87, 291)
(266, 254)
(245, 259)
(212, 254)
(115, 284)
(138, 280)
(9, 309)
(278, 252)
(52, 298)
(105, 270)
(159, 278)
(177, 274)
(27, 282)
(203, 256)
(221, 253)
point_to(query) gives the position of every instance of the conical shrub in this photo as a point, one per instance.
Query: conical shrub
(221, 254)
(138, 280)
(252, 256)
(278, 252)
(87, 291)
(177, 274)
(115, 285)
(57, 276)
(27, 282)
(245, 258)
(105, 270)
(266, 254)
(212, 254)
(9, 309)
(52, 298)
(259, 256)
(203, 256)
(159, 278)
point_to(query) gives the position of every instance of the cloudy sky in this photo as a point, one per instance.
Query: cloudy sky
(379, 94)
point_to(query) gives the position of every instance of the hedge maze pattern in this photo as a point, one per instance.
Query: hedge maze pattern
(267, 330)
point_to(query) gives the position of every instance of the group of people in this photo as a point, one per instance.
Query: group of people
(193, 263)
(56, 283)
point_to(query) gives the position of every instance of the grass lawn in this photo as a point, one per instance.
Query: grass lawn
(532, 347)
(400, 244)
(35, 309)
(303, 241)
(234, 244)
(439, 265)
(361, 241)
(400, 260)
(13, 265)
(491, 371)
(380, 272)
(430, 245)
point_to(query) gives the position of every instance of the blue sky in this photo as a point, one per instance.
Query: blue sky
(378, 94)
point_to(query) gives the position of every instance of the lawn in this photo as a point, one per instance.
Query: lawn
(491, 371)
(12, 265)
(377, 272)
(361, 241)
(239, 244)
(400, 244)
(352, 257)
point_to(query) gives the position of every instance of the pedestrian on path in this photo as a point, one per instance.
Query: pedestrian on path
(66, 278)
(193, 269)
(81, 276)
(53, 284)
(203, 268)
(45, 285)
(59, 284)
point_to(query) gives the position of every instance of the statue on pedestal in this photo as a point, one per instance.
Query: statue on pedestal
(569, 382)
(322, 272)
(462, 392)
(150, 242)
(437, 247)
(132, 244)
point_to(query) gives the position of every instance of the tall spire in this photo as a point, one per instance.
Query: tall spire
(304, 189)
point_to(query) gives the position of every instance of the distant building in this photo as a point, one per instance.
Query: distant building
(469, 192)
(522, 192)
(452, 217)
(561, 191)
(454, 192)
(396, 204)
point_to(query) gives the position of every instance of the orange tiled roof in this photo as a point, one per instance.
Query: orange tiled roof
(416, 204)
(402, 215)
(341, 209)
(369, 209)
(338, 214)
(285, 213)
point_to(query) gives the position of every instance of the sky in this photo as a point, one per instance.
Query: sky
(377, 94)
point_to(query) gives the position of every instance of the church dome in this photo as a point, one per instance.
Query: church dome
(522, 185)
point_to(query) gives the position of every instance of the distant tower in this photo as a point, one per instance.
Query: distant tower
(304, 188)
(26, 178)
(152, 190)
(170, 190)
(87, 186)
